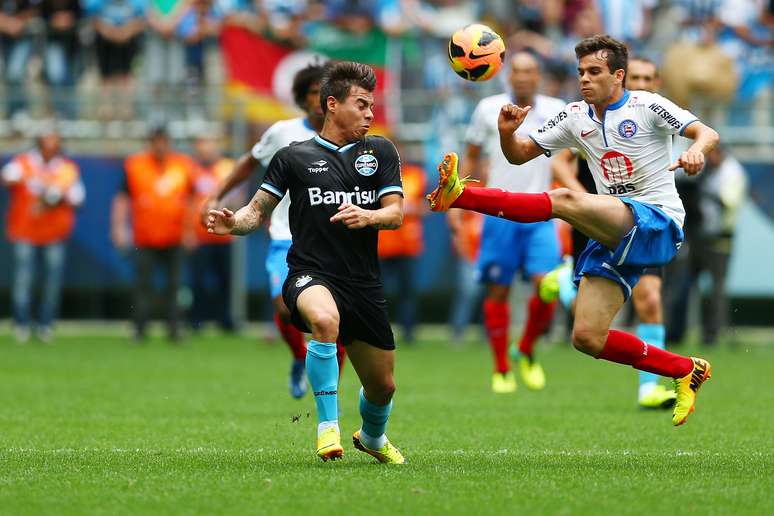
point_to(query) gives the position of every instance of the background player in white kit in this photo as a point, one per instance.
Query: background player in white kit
(507, 247)
(306, 93)
(635, 220)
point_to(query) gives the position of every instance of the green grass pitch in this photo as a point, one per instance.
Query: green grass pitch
(94, 425)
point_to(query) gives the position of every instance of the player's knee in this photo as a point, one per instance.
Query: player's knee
(325, 324)
(564, 197)
(587, 340)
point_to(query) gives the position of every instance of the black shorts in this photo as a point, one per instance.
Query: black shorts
(579, 242)
(362, 309)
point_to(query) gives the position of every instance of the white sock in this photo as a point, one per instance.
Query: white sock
(326, 425)
(372, 443)
(645, 388)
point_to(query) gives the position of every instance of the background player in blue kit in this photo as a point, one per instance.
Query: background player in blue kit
(507, 247)
(344, 187)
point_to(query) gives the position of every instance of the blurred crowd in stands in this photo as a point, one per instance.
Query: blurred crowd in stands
(115, 51)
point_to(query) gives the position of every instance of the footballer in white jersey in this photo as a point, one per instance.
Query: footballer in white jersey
(629, 150)
(633, 223)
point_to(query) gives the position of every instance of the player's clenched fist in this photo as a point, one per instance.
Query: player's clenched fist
(220, 221)
(690, 161)
(511, 117)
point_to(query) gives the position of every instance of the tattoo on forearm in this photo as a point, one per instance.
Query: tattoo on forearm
(247, 221)
(250, 217)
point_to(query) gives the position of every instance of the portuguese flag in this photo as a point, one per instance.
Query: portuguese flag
(260, 71)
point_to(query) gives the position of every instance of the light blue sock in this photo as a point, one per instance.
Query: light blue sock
(323, 372)
(653, 334)
(374, 418)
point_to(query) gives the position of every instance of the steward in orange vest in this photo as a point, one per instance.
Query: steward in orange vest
(157, 198)
(45, 189)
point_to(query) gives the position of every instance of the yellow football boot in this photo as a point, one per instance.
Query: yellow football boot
(687, 388)
(659, 397)
(329, 444)
(532, 374)
(450, 186)
(388, 454)
(503, 383)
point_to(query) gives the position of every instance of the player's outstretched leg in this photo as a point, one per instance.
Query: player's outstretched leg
(297, 345)
(451, 192)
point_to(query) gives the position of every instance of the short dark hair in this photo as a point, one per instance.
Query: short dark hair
(303, 81)
(339, 78)
(617, 53)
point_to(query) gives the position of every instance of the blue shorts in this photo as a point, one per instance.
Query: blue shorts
(652, 242)
(277, 265)
(507, 247)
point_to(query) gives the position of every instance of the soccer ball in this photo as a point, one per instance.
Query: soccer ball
(476, 52)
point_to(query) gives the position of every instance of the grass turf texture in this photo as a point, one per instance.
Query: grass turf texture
(96, 425)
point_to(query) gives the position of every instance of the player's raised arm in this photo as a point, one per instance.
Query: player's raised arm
(516, 149)
(246, 220)
(704, 139)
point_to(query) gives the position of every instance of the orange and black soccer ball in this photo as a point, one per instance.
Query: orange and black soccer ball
(476, 52)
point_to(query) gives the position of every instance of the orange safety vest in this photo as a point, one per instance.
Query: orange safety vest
(160, 196)
(29, 219)
(406, 240)
(206, 181)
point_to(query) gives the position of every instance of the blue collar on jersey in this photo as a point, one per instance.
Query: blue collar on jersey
(615, 105)
(332, 146)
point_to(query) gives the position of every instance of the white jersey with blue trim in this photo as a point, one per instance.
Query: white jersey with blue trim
(629, 150)
(533, 176)
(279, 135)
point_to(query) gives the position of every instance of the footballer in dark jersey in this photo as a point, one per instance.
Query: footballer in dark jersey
(344, 187)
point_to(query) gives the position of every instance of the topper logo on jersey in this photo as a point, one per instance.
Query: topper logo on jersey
(617, 169)
(627, 128)
(317, 196)
(318, 166)
(366, 164)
